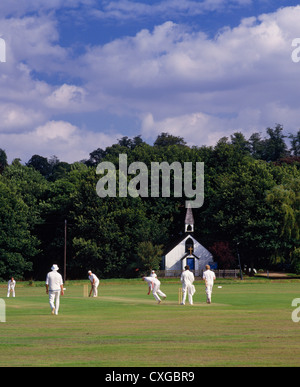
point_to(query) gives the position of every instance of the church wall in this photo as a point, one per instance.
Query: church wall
(173, 258)
(174, 261)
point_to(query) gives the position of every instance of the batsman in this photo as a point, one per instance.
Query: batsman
(94, 284)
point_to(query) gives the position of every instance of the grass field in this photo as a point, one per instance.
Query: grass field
(248, 324)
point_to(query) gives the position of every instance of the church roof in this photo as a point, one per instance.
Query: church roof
(170, 246)
(189, 255)
(189, 218)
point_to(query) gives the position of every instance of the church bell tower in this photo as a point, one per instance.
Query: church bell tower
(189, 220)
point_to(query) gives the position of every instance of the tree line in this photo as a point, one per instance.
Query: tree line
(251, 203)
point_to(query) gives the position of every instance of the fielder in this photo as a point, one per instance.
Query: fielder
(153, 274)
(11, 287)
(154, 285)
(209, 277)
(94, 284)
(187, 279)
(54, 287)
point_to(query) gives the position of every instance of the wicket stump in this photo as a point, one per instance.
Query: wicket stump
(179, 296)
(2, 311)
(85, 291)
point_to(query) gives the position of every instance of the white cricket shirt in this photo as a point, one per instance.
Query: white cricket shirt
(54, 280)
(209, 276)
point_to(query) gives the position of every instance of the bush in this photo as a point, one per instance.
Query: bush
(296, 260)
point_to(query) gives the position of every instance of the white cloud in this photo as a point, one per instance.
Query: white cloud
(67, 97)
(33, 41)
(15, 118)
(233, 80)
(62, 139)
(196, 128)
(171, 79)
(26, 101)
(19, 8)
(126, 9)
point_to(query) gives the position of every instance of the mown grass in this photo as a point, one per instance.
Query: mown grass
(248, 324)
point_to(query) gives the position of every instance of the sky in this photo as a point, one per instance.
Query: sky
(80, 74)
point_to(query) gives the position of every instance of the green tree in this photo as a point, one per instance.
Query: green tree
(239, 141)
(150, 255)
(166, 139)
(285, 198)
(237, 211)
(3, 160)
(275, 146)
(257, 146)
(295, 144)
(30, 185)
(295, 260)
(17, 245)
(271, 148)
(95, 157)
(40, 164)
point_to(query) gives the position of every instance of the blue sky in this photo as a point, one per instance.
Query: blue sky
(80, 74)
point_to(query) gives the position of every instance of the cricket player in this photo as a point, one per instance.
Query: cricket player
(94, 283)
(153, 274)
(11, 287)
(187, 278)
(154, 285)
(54, 287)
(209, 277)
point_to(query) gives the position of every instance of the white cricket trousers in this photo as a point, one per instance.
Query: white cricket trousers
(187, 290)
(11, 289)
(95, 289)
(54, 297)
(208, 291)
(157, 292)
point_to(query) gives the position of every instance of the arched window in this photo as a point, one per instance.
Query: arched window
(189, 246)
(189, 228)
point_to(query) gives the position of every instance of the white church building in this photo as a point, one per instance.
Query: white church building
(187, 252)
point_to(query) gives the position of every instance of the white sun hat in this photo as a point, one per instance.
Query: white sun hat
(54, 267)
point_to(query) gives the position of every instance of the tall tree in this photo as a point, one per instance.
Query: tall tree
(285, 198)
(40, 164)
(17, 244)
(257, 145)
(237, 211)
(239, 141)
(150, 255)
(295, 144)
(3, 160)
(166, 139)
(275, 146)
